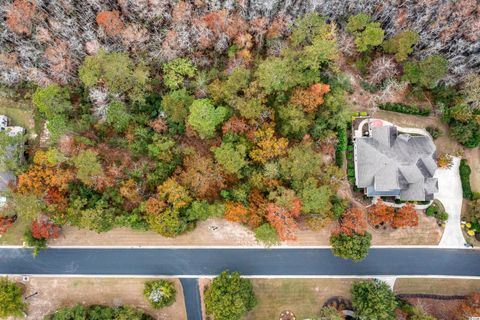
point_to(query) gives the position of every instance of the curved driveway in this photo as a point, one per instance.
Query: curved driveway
(250, 262)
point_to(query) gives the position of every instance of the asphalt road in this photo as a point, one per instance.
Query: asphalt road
(189, 264)
(191, 294)
(259, 262)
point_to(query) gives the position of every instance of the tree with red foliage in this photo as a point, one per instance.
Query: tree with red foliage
(111, 22)
(6, 223)
(406, 216)
(470, 307)
(45, 230)
(20, 15)
(352, 222)
(283, 220)
(380, 213)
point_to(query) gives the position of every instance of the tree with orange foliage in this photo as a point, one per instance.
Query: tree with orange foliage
(282, 211)
(470, 307)
(311, 98)
(283, 220)
(267, 146)
(406, 216)
(380, 213)
(237, 212)
(20, 15)
(352, 222)
(110, 22)
(351, 240)
(43, 175)
(45, 230)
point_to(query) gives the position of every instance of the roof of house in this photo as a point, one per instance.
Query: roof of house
(389, 162)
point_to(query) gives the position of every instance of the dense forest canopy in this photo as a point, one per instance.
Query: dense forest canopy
(44, 41)
(159, 115)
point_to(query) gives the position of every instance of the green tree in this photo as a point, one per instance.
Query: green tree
(160, 293)
(54, 103)
(118, 116)
(373, 300)
(176, 104)
(202, 210)
(292, 121)
(117, 72)
(267, 235)
(315, 199)
(228, 90)
(231, 156)
(353, 247)
(88, 166)
(371, 37)
(367, 34)
(401, 44)
(52, 100)
(12, 148)
(358, 22)
(229, 296)
(176, 70)
(11, 300)
(205, 118)
(427, 72)
(301, 162)
(307, 28)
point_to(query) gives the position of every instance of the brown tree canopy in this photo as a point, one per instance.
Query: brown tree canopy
(202, 176)
(283, 219)
(20, 15)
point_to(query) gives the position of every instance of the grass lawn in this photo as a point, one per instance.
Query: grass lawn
(304, 297)
(437, 286)
(14, 235)
(54, 293)
(21, 113)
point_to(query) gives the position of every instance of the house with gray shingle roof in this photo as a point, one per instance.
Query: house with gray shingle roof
(390, 162)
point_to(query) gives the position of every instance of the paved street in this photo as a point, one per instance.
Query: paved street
(191, 295)
(259, 262)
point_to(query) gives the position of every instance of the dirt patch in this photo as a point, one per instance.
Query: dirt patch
(218, 232)
(426, 233)
(57, 292)
(211, 232)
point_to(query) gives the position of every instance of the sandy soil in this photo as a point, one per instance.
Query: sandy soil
(57, 292)
(234, 234)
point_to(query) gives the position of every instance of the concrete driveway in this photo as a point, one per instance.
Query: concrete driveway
(451, 196)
